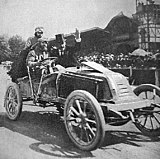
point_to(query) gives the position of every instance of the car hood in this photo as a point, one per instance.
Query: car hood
(118, 82)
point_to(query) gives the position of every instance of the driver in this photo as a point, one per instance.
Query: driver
(35, 57)
(39, 53)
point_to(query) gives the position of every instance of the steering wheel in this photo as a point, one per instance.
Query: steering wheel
(48, 60)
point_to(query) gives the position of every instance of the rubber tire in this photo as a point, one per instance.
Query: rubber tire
(138, 91)
(100, 133)
(19, 101)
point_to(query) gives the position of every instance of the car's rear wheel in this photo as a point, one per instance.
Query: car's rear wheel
(84, 120)
(148, 119)
(13, 102)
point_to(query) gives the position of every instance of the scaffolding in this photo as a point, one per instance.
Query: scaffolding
(148, 16)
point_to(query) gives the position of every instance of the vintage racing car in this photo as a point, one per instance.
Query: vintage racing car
(90, 97)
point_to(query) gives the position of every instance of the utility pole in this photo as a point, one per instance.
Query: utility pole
(148, 25)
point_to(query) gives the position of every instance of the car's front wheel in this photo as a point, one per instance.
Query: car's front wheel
(13, 102)
(84, 120)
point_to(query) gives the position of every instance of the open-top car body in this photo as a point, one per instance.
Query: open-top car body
(90, 97)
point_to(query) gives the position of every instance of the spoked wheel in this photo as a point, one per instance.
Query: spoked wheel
(148, 119)
(13, 102)
(84, 120)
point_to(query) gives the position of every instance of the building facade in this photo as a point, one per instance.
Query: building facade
(148, 17)
(124, 34)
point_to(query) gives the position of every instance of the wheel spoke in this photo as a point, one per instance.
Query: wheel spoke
(79, 106)
(10, 106)
(15, 104)
(14, 111)
(87, 135)
(73, 123)
(12, 92)
(154, 94)
(74, 110)
(156, 119)
(145, 121)
(11, 110)
(69, 118)
(81, 133)
(151, 123)
(146, 95)
(158, 105)
(91, 121)
(85, 106)
(90, 129)
(158, 113)
(10, 95)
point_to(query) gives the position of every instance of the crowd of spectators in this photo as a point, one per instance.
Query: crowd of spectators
(120, 61)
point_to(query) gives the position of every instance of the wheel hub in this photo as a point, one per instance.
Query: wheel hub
(81, 119)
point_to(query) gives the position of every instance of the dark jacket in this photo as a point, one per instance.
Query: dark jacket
(67, 58)
(18, 67)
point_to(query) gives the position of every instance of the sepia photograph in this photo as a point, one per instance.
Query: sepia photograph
(80, 79)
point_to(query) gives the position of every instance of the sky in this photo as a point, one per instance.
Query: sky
(20, 17)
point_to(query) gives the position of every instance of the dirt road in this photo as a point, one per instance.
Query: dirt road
(40, 134)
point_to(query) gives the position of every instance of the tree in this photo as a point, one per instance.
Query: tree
(5, 52)
(16, 44)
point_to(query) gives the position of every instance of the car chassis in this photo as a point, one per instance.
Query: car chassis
(90, 97)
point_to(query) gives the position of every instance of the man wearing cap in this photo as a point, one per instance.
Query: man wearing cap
(39, 53)
(33, 40)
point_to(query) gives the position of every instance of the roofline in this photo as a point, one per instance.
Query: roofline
(86, 30)
(83, 31)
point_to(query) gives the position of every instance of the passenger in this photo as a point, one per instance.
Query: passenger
(67, 54)
(33, 40)
(18, 67)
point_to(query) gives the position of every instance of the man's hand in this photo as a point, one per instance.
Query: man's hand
(77, 34)
(46, 62)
